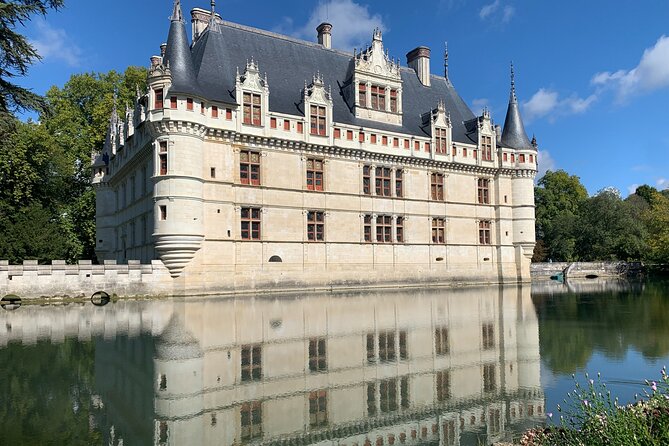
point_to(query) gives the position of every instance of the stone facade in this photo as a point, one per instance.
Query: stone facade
(237, 192)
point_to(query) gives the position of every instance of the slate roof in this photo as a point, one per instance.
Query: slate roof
(514, 135)
(289, 62)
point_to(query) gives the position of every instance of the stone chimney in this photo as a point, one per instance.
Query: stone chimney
(155, 61)
(419, 60)
(324, 31)
(498, 133)
(200, 19)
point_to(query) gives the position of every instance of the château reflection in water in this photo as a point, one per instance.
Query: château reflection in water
(454, 367)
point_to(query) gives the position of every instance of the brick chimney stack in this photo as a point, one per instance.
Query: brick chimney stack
(324, 31)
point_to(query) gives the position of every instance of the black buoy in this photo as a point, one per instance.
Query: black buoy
(100, 299)
(10, 302)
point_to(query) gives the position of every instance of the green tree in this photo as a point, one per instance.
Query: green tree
(657, 223)
(17, 54)
(558, 198)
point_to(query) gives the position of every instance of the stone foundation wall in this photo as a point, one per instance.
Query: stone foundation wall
(578, 269)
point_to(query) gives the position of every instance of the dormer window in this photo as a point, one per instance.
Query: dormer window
(393, 101)
(252, 109)
(159, 98)
(318, 121)
(441, 141)
(378, 98)
(486, 148)
(362, 95)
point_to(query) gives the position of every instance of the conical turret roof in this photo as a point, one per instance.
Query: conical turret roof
(178, 55)
(514, 135)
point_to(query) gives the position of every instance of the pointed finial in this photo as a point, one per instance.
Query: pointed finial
(213, 24)
(446, 60)
(513, 83)
(534, 141)
(177, 15)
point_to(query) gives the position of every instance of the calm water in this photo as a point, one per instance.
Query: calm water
(446, 367)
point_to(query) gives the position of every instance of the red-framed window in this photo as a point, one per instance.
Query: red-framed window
(464, 152)
(214, 111)
(372, 138)
(406, 143)
(316, 226)
(483, 189)
(173, 102)
(505, 157)
(438, 226)
(521, 158)
(484, 232)
(252, 108)
(159, 98)
(300, 127)
(393, 101)
(475, 153)
(189, 104)
(272, 123)
(367, 180)
(249, 167)
(486, 148)
(427, 146)
(349, 135)
(162, 157)
(378, 98)
(382, 181)
(396, 142)
(440, 141)
(513, 158)
(361, 137)
(228, 114)
(337, 133)
(454, 150)
(202, 107)
(531, 158)
(286, 124)
(315, 174)
(362, 95)
(399, 183)
(317, 119)
(367, 228)
(384, 229)
(250, 218)
(384, 140)
(437, 186)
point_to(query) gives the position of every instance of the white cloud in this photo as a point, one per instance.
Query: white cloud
(352, 24)
(632, 188)
(495, 11)
(481, 103)
(652, 73)
(662, 183)
(54, 44)
(548, 102)
(488, 10)
(546, 163)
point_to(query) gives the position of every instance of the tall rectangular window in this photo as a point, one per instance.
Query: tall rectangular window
(486, 148)
(162, 157)
(361, 137)
(371, 399)
(251, 420)
(317, 120)
(384, 229)
(314, 174)
(371, 347)
(252, 108)
(337, 133)
(251, 362)
(367, 180)
(393, 101)
(454, 150)
(399, 230)
(443, 385)
(382, 181)
(488, 336)
(249, 167)
(388, 395)
(362, 95)
(300, 127)
(437, 186)
(404, 392)
(367, 228)
(399, 187)
(396, 142)
(189, 104)
(250, 219)
(440, 141)
(214, 111)
(387, 346)
(173, 102)
(378, 98)
(384, 140)
(441, 345)
(228, 114)
(521, 158)
(489, 378)
(286, 124)
(159, 98)
(349, 135)
(318, 408)
(406, 143)
(317, 355)
(404, 351)
(202, 107)
(484, 232)
(315, 226)
(483, 187)
(272, 123)
(505, 157)
(163, 212)
(438, 230)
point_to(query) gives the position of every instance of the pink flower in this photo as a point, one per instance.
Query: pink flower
(654, 386)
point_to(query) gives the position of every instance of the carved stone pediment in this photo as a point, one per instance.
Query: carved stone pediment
(251, 79)
(315, 92)
(373, 60)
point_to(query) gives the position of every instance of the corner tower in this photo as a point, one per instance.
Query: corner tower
(514, 137)
(177, 144)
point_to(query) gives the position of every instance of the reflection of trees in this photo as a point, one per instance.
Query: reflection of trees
(45, 394)
(573, 326)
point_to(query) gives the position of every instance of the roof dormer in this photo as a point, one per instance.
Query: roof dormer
(252, 93)
(377, 84)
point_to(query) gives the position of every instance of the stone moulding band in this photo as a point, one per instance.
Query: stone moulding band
(176, 251)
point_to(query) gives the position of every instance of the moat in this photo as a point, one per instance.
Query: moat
(446, 366)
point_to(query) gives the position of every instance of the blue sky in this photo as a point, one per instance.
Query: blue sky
(592, 76)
